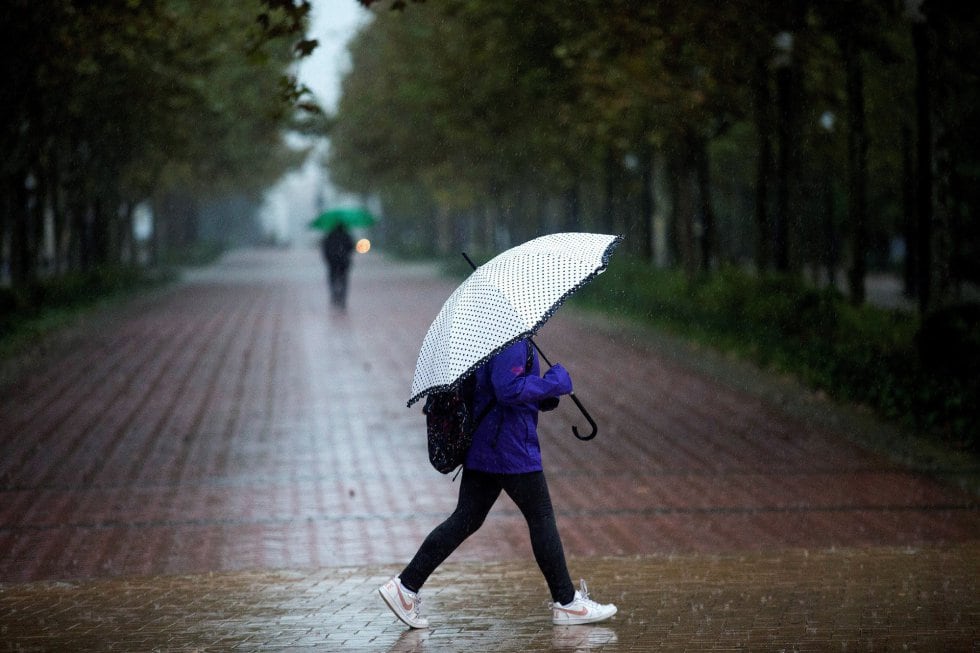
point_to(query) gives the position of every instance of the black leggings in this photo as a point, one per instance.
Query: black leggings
(478, 491)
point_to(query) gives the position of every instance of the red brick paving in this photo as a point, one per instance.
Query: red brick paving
(237, 422)
(868, 599)
(159, 452)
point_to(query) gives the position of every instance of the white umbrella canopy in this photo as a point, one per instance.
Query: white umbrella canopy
(504, 300)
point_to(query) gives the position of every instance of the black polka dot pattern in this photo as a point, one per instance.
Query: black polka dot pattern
(504, 300)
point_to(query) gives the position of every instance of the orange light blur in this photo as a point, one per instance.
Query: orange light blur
(363, 246)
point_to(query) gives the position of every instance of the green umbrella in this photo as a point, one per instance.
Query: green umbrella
(349, 217)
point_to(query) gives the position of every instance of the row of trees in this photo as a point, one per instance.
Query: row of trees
(110, 104)
(797, 135)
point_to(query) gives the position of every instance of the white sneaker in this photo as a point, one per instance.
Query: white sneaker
(582, 610)
(404, 603)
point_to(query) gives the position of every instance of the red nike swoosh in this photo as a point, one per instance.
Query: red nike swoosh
(405, 604)
(578, 613)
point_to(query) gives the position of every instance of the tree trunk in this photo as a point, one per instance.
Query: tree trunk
(708, 237)
(785, 165)
(487, 236)
(943, 285)
(444, 231)
(831, 249)
(609, 192)
(126, 249)
(923, 163)
(909, 280)
(37, 204)
(83, 234)
(4, 237)
(672, 239)
(764, 166)
(101, 232)
(21, 254)
(61, 228)
(573, 206)
(684, 211)
(789, 92)
(857, 159)
(644, 233)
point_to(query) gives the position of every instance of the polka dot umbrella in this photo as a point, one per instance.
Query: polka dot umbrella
(505, 300)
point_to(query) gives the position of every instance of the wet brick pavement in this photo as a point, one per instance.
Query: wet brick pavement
(875, 599)
(229, 465)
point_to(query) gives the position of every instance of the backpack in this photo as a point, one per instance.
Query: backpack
(450, 422)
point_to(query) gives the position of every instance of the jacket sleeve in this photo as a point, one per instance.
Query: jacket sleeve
(512, 386)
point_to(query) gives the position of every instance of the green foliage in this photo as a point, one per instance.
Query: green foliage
(924, 377)
(120, 102)
(540, 116)
(458, 98)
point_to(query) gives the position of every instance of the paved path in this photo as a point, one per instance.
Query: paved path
(867, 599)
(234, 442)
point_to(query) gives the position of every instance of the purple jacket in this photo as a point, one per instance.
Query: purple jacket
(506, 441)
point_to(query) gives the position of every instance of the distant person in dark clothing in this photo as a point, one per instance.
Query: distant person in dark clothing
(336, 248)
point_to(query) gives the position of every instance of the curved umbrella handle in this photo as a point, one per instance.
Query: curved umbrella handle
(585, 413)
(595, 429)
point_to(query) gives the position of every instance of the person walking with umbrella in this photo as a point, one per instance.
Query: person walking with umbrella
(337, 247)
(505, 455)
